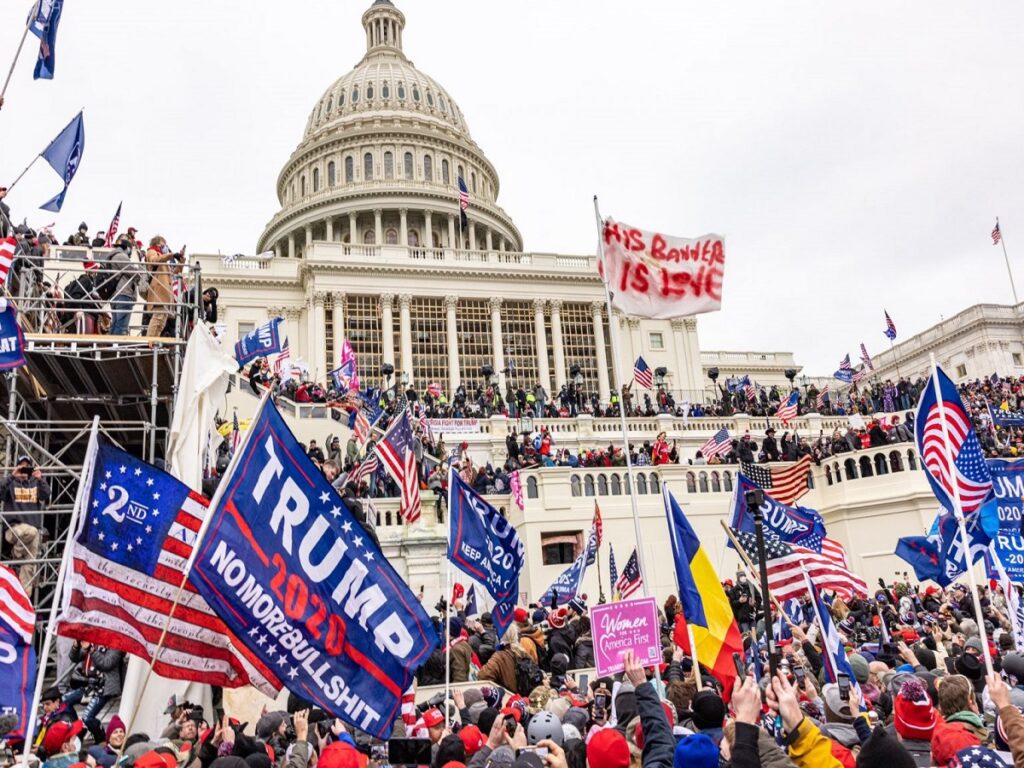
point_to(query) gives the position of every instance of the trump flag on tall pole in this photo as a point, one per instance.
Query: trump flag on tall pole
(43, 24)
(65, 155)
(650, 274)
(305, 593)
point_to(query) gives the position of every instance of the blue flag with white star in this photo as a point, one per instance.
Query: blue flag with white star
(296, 579)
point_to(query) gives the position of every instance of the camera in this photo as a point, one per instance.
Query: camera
(754, 498)
(441, 606)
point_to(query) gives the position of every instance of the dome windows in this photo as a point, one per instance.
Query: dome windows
(341, 99)
(302, 186)
(473, 181)
(368, 167)
(349, 170)
(401, 91)
(428, 168)
(330, 104)
(430, 98)
(445, 173)
(408, 166)
(316, 179)
(389, 166)
(355, 95)
(385, 91)
(462, 173)
(415, 94)
(391, 237)
(369, 92)
(319, 109)
(443, 103)
(331, 175)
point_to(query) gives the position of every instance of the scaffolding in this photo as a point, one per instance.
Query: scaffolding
(75, 371)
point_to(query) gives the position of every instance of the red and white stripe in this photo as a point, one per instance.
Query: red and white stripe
(361, 428)
(409, 713)
(120, 607)
(835, 551)
(15, 607)
(786, 575)
(790, 483)
(936, 458)
(7, 248)
(410, 507)
(283, 357)
(365, 469)
(787, 410)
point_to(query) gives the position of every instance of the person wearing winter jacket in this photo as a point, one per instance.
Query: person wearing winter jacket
(807, 746)
(1011, 722)
(659, 744)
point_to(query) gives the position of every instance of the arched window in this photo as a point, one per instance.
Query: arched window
(389, 166)
(330, 104)
(349, 169)
(369, 92)
(445, 176)
(851, 469)
(415, 93)
(316, 179)
(588, 485)
(461, 174)
(531, 487)
(414, 238)
(473, 181)
(616, 485)
(716, 483)
(408, 165)
(625, 479)
(655, 483)
(574, 485)
(391, 236)
(430, 98)
(865, 466)
(602, 485)
(367, 167)
(881, 465)
(727, 481)
(836, 473)
(355, 95)
(341, 99)
(828, 474)
(691, 482)
(319, 109)
(896, 461)
(641, 483)
(428, 168)
(331, 174)
(302, 186)
(444, 104)
(702, 482)
(370, 237)
(385, 91)
(401, 91)
(911, 460)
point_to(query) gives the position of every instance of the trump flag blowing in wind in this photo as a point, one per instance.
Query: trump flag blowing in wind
(704, 602)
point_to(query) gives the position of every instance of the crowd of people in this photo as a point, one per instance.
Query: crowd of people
(530, 697)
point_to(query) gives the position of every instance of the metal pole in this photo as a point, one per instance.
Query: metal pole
(12, 408)
(1002, 242)
(17, 54)
(773, 661)
(11, 185)
(153, 401)
(445, 634)
(895, 360)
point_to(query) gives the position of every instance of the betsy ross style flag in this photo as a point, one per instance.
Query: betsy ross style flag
(890, 327)
(137, 528)
(395, 452)
(463, 203)
(718, 444)
(787, 484)
(642, 374)
(283, 359)
(630, 581)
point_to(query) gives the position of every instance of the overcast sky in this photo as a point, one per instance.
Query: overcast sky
(854, 156)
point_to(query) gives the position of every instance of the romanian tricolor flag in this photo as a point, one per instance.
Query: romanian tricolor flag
(705, 605)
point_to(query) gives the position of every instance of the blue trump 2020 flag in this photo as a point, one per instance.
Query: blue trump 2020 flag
(65, 155)
(298, 582)
(17, 676)
(12, 341)
(793, 525)
(567, 585)
(44, 26)
(265, 340)
(484, 546)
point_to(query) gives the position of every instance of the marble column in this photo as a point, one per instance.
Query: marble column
(472, 235)
(316, 351)
(378, 226)
(543, 369)
(277, 250)
(353, 229)
(330, 229)
(339, 328)
(602, 356)
(496, 342)
(450, 304)
(428, 225)
(635, 342)
(451, 232)
(489, 239)
(621, 366)
(387, 328)
(403, 227)
(405, 332)
(292, 318)
(307, 251)
(556, 342)
(291, 245)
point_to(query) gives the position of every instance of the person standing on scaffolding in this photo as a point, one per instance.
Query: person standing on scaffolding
(24, 494)
(162, 264)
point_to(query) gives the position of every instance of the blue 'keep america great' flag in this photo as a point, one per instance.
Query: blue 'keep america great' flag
(301, 586)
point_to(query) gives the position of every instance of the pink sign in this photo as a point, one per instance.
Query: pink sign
(629, 625)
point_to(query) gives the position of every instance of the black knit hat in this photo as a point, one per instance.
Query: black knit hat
(883, 749)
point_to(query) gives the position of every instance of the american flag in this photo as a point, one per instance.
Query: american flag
(997, 235)
(787, 410)
(463, 202)
(236, 434)
(630, 581)
(7, 248)
(751, 391)
(395, 451)
(786, 565)
(787, 484)
(835, 551)
(718, 444)
(409, 711)
(865, 357)
(844, 364)
(642, 374)
(115, 222)
(139, 526)
(613, 571)
(598, 524)
(364, 469)
(15, 607)
(361, 428)
(823, 398)
(283, 357)
(434, 389)
(861, 374)
(890, 327)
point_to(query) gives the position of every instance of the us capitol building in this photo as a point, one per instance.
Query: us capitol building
(367, 246)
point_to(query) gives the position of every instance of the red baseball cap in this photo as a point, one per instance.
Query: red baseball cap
(433, 718)
(59, 733)
(472, 738)
(156, 760)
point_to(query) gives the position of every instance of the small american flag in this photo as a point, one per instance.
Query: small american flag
(844, 364)
(395, 451)
(364, 470)
(630, 581)
(463, 202)
(787, 484)
(361, 428)
(861, 374)
(236, 434)
(598, 524)
(282, 359)
(613, 571)
(997, 235)
(890, 327)
(787, 563)
(823, 398)
(718, 444)
(115, 222)
(7, 247)
(787, 410)
(15, 607)
(751, 391)
(865, 357)
(642, 374)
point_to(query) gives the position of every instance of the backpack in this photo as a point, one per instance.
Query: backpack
(528, 675)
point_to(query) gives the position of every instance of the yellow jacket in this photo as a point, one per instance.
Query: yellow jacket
(810, 748)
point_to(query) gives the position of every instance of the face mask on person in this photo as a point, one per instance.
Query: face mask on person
(77, 745)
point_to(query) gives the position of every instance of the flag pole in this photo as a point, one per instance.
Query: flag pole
(445, 634)
(693, 654)
(17, 54)
(753, 570)
(30, 725)
(958, 510)
(1002, 242)
(200, 534)
(20, 175)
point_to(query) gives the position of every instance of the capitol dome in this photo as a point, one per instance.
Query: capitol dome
(380, 160)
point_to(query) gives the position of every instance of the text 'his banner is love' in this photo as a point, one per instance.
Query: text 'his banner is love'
(660, 276)
(301, 585)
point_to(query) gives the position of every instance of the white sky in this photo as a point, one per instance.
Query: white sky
(855, 156)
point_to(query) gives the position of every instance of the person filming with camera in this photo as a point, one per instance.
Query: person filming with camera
(25, 494)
